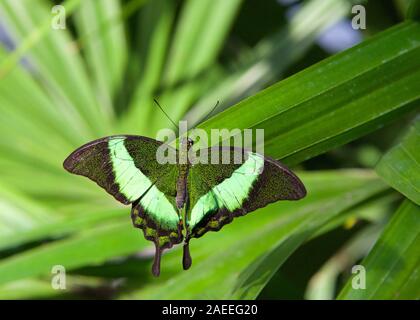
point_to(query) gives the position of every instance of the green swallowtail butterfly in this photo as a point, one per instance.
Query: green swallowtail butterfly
(175, 202)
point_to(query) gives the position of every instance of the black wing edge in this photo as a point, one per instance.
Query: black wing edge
(297, 183)
(70, 162)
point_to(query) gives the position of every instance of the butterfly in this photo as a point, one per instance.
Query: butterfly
(176, 201)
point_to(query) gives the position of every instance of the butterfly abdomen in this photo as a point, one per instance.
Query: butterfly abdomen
(181, 185)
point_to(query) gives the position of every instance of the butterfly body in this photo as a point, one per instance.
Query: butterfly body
(175, 202)
(181, 186)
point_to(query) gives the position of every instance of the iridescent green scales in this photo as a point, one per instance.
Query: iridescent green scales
(231, 192)
(133, 184)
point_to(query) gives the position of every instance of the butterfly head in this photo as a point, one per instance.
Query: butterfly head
(188, 142)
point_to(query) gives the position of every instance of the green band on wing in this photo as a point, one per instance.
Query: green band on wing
(232, 192)
(133, 184)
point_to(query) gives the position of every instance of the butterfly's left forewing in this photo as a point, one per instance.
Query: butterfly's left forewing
(127, 168)
(220, 192)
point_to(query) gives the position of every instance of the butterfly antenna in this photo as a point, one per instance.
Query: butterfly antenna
(157, 103)
(210, 113)
(207, 116)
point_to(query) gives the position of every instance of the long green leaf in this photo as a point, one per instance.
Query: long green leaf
(155, 27)
(393, 265)
(65, 79)
(68, 127)
(43, 289)
(19, 213)
(336, 100)
(117, 239)
(221, 258)
(400, 166)
(105, 45)
(200, 33)
(201, 30)
(322, 285)
(91, 247)
(252, 280)
(272, 56)
(57, 228)
(413, 11)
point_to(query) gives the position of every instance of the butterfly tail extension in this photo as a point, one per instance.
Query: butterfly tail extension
(186, 257)
(163, 238)
(156, 261)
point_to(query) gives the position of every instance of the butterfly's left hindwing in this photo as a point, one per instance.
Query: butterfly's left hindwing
(126, 167)
(221, 192)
